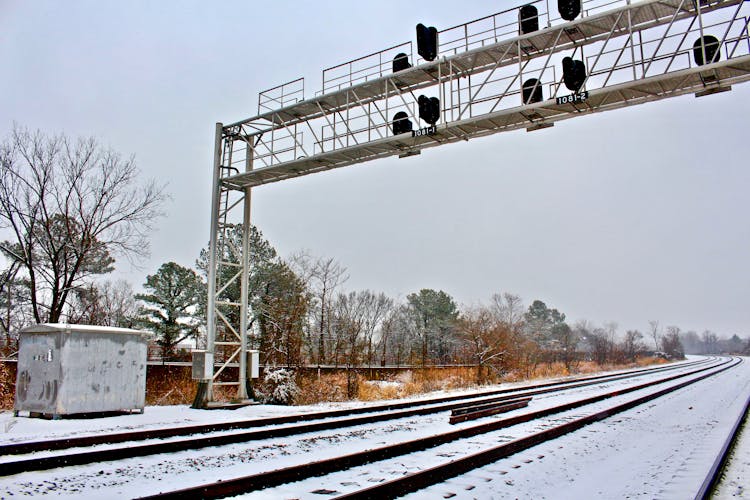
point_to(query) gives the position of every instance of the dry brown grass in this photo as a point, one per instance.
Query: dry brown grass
(327, 387)
(379, 390)
(7, 387)
(170, 386)
(332, 387)
(586, 367)
(555, 370)
(174, 386)
(650, 360)
(436, 379)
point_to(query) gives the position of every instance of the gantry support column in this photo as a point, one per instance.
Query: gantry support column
(213, 259)
(244, 288)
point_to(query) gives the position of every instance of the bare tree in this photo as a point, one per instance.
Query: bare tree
(348, 324)
(599, 341)
(323, 277)
(85, 306)
(611, 328)
(654, 330)
(282, 311)
(111, 303)
(710, 342)
(396, 338)
(671, 343)
(488, 339)
(632, 344)
(509, 309)
(14, 307)
(70, 206)
(376, 309)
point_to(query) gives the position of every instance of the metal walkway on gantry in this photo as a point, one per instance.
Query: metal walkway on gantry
(633, 52)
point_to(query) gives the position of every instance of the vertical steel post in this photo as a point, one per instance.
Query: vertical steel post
(213, 258)
(244, 291)
(703, 41)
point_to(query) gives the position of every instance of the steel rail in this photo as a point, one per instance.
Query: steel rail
(278, 477)
(438, 474)
(474, 413)
(481, 405)
(717, 468)
(113, 454)
(85, 441)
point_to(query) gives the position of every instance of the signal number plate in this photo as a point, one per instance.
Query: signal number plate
(431, 130)
(573, 98)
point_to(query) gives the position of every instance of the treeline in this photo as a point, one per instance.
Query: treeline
(302, 314)
(709, 342)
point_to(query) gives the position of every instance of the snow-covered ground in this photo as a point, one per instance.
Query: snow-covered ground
(148, 475)
(662, 450)
(634, 458)
(735, 482)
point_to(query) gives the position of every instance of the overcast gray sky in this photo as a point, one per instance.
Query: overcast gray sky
(624, 216)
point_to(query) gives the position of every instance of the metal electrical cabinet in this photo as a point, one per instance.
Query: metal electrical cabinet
(68, 369)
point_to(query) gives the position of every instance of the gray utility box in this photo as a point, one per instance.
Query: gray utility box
(67, 369)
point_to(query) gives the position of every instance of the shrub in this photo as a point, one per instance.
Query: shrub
(278, 387)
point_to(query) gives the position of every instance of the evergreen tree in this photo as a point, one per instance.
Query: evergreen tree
(434, 314)
(170, 308)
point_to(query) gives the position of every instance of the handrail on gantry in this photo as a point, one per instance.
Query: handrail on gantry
(363, 133)
(584, 30)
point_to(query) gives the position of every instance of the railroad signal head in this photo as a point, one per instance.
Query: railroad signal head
(429, 109)
(569, 9)
(709, 44)
(427, 42)
(574, 73)
(528, 18)
(401, 62)
(531, 91)
(401, 123)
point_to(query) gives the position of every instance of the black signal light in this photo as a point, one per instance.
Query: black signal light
(401, 62)
(528, 18)
(427, 42)
(401, 123)
(569, 9)
(429, 109)
(710, 44)
(531, 90)
(574, 73)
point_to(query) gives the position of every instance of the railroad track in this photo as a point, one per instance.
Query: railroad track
(418, 480)
(164, 433)
(380, 413)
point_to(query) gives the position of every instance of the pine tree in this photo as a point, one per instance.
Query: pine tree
(170, 309)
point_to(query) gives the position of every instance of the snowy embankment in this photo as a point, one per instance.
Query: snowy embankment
(593, 461)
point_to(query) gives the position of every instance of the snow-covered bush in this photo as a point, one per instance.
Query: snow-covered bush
(278, 387)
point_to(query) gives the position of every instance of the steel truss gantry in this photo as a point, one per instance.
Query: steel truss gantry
(634, 52)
